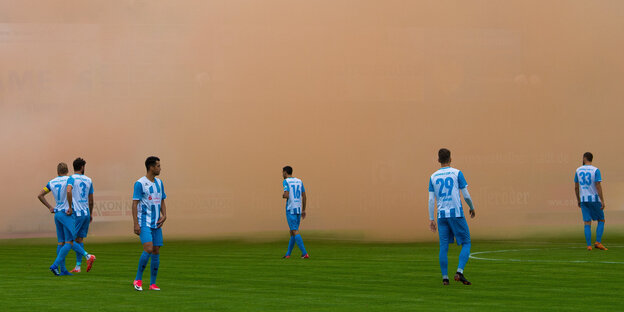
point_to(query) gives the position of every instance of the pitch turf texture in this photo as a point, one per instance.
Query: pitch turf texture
(340, 276)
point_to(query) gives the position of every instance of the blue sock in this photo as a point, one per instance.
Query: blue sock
(154, 268)
(599, 231)
(60, 258)
(142, 264)
(588, 234)
(299, 241)
(58, 249)
(444, 259)
(291, 245)
(79, 256)
(464, 254)
(78, 249)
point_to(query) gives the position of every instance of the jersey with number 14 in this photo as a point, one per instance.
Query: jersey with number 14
(295, 188)
(446, 183)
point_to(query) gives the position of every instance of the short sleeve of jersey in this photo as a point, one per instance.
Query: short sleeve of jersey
(576, 178)
(162, 185)
(91, 189)
(461, 181)
(431, 186)
(598, 177)
(138, 191)
(285, 184)
(70, 181)
(47, 187)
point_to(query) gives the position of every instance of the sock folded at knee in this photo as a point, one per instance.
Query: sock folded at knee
(145, 256)
(154, 268)
(599, 231)
(299, 241)
(588, 234)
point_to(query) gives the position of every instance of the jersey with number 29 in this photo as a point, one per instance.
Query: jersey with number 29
(446, 183)
(295, 188)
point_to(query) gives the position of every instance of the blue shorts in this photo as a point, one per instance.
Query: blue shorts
(65, 226)
(82, 225)
(451, 229)
(151, 235)
(592, 211)
(293, 221)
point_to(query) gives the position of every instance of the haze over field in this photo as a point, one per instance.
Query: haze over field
(357, 96)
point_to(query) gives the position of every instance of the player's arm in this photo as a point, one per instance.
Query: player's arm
(304, 200)
(43, 200)
(599, 189)
(468, 201)
(578, 193)
(163, 213)
(135, 216)
(432, 224)
(91, 206)
(70, 187)
(286, 193)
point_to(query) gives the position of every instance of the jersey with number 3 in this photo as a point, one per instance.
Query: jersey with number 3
(58, 187)
(82, 187)
(587, 176)
(446, 183)
(295, 188)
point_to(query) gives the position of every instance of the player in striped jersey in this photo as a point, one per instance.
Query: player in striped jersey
(588, 189)
(149, 213)
(295, 195)
(81, 188)
(444, 187)
(64, 220)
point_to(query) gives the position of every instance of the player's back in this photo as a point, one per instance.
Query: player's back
(58, 187)
(295, 190)
(82, 188)
(446, 183)
(587, 176)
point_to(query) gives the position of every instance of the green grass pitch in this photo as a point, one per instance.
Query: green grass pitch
(340, 276)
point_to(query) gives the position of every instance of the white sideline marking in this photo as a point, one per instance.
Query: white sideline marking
(472, 256)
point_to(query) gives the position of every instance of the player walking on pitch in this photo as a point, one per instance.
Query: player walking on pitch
(64, 220)
(444, 187)
(295, 194)
(81, 188)
(589, 197)
(149, 213)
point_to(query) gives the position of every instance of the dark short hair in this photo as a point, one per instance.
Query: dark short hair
(151, 161)
(444, 155)
(79, 163)
(588, 156)
(287, 169)
(62, 168)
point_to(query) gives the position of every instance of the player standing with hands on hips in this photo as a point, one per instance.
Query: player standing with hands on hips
(149, 213)
(444, 187)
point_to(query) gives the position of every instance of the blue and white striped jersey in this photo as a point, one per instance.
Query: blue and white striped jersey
(82, 187)
(58, 187)
(587, 176)
(446, 183)
(150, 195)
(295, 188)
